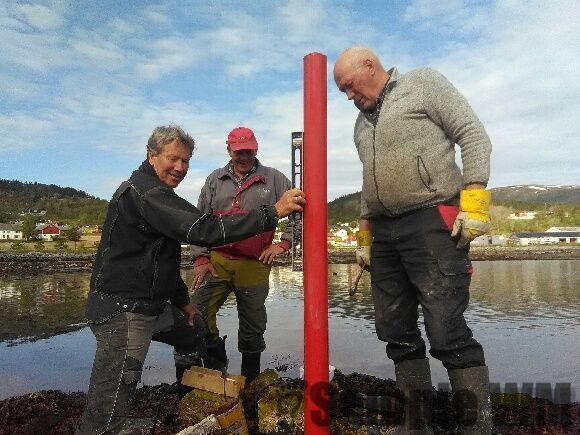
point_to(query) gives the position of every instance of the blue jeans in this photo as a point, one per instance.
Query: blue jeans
(415, 262)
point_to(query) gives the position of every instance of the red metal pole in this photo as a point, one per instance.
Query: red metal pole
(316, 394)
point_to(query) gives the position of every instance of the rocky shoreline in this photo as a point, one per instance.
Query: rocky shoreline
(350, 412)
(38, 263)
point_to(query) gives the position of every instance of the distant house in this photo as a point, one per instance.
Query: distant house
(341, 237)
(523, 215)
(10, 232)
(49, 231)
(563, 229)
(488, 240)
(33, 212)
(546, 238)
(351, 240)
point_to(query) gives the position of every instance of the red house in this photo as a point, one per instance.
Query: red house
(47, 231)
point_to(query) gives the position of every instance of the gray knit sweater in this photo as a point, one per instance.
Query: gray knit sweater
(409, 157)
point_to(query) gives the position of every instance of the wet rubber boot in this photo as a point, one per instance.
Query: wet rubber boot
(182, 363)
(182, 390)
(472, 395)
(216, 357)
(251, 366)
(413, 378)
(251, 370)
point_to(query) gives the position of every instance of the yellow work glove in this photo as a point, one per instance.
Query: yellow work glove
(473, 219)
(363, 251)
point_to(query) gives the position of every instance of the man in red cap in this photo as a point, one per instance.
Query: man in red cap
(241, 267)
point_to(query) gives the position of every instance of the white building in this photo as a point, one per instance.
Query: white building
(488, 240)
(10, 232)
(551, 238)
(49, 231)
(523, 215)
(563, 230)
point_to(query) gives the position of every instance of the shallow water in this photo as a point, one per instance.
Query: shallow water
(525, 313)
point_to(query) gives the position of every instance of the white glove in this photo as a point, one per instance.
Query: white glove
(473, 219)
(363, 257)
(468, 229)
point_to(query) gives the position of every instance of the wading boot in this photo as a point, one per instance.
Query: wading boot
(216, 357)
(182, 363)
(251, 370)
(413, 378)
(250, 366)
(471, 394)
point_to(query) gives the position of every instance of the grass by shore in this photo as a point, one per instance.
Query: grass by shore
(87, 244)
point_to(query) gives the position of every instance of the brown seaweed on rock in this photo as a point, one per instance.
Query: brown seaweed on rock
(353, 409)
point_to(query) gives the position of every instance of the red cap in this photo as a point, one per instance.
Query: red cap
(242, 138)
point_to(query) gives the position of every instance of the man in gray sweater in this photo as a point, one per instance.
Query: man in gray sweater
(419, 212)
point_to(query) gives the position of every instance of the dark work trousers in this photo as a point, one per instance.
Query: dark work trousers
(415, 261)
(122, 345)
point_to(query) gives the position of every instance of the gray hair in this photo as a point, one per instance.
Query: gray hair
(165, 134)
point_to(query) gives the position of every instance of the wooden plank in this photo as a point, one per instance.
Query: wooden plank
(212, 381)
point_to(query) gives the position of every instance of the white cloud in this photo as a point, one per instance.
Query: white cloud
(122, 26)
(36, 53)
(157, 14)
(20, 130)
(302, 19)
(106, 86)
(450, 17)
(519, 77)
(99, 51)
(344, 166)
(39, 16)
(168, 54)
(16, 88)
(190, 187)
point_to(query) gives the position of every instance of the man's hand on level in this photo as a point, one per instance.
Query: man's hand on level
(267, 256)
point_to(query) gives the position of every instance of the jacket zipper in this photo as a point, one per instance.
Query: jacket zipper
(375, 164)
(155, 269)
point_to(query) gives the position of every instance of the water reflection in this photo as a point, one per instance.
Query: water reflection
(525, 313)
(34, 308)
(536, 291)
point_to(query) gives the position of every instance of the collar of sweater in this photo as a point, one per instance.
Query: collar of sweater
(374, 115)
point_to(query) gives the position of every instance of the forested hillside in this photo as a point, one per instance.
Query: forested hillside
(555, 206)
(64, 204)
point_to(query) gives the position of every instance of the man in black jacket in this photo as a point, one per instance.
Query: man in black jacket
(136, 272)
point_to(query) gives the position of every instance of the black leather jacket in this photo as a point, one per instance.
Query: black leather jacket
(137, 264)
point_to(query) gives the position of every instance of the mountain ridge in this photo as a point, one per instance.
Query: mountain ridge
(346, 208)
(73, 206)
(67, 203)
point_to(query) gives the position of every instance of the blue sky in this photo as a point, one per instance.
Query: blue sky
(83, 83)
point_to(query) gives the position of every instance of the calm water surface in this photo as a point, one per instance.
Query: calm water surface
(525, 313)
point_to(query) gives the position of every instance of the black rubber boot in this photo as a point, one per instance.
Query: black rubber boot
(251, 370)
(414, 381)
(250, 366)
(216, 357)
(471, 394)
(182, 363)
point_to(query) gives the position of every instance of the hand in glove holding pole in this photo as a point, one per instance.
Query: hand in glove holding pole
(364, 239)
(473, 219)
